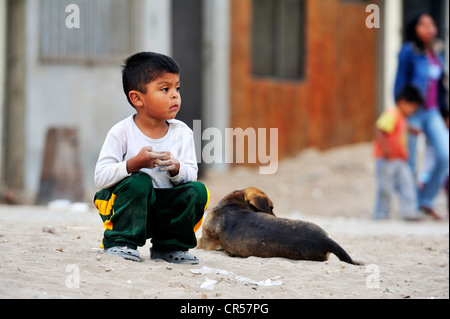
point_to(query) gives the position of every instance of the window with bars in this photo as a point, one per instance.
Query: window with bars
(108, 31)
(278, 38)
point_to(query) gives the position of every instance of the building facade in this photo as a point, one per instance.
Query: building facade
(313, 69)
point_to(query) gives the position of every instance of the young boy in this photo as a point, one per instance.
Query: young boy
(147, 169)
(391, 152)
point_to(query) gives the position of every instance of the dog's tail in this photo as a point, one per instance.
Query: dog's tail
(336, 249)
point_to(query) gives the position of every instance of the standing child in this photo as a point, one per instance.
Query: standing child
(147, 169)
(391, 152)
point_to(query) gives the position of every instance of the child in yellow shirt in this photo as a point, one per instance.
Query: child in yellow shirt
(391, 152)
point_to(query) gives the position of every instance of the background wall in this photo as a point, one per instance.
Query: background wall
(87, 97)
(335, 103)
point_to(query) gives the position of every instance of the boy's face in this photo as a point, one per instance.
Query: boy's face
(408, 108)
(162, 100)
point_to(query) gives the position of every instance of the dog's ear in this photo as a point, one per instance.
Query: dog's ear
(258, 201)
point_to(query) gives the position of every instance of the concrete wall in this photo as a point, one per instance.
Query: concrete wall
(392, 34)
(216, 69)
(89, 98)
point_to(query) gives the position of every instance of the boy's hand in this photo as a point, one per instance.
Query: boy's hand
(172, 165)
(386, 154)
(147, 158)
(381, 137)
(414, 130)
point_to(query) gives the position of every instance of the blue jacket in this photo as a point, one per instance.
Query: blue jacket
(413, 69)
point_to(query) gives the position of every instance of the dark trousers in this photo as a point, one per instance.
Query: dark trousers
(134, 211)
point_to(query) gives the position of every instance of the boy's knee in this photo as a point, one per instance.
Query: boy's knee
(138, 184)
(201, 193)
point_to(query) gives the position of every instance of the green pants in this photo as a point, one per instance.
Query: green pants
(134, 211)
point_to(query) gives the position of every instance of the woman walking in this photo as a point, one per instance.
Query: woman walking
(422, 64)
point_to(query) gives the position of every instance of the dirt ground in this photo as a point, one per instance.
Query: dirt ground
(53, 252)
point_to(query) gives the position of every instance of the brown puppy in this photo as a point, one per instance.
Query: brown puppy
(244, 225)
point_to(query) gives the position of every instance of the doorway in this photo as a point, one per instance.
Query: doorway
(187, 44)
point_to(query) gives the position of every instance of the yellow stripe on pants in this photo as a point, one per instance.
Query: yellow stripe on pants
(199, 224)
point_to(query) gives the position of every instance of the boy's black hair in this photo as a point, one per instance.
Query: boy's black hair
(144, 67)
(411, 94)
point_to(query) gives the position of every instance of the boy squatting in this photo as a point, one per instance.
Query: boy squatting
(147, 169)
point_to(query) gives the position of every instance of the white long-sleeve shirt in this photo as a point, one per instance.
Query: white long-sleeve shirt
(125, 140)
